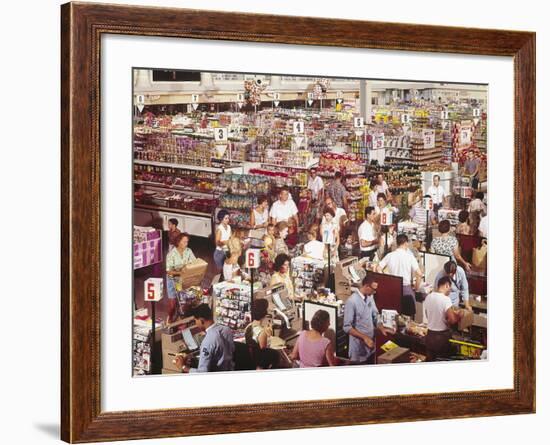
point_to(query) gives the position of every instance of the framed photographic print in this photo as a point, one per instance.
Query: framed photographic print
(277, 222)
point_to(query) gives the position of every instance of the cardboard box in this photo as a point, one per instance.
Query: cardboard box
(480, 321)
(395, 355)
(466, 320)
(193, 273)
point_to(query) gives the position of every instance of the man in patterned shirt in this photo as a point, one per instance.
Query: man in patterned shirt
(338, 192)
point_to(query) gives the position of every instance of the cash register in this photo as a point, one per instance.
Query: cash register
(348, 275)
(283, 310)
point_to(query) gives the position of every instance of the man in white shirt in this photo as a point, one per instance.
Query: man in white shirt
(284, 209)
(437, 192)
(368, 239)
(402, 263)
(440, 314)
(316, 185)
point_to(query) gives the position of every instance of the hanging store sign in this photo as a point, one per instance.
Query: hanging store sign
(220, 134)
(378, 141)
(358, 122)
(476, 112)
(444, 114)
(140, 102)
(298, 127)
(428, 136)
(405, 118)
(276, 97)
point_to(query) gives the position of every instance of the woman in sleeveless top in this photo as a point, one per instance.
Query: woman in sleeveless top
(223, 233)
(259, 218)
(313, 349)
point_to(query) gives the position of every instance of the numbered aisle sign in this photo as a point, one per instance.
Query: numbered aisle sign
(152, 289)
(252, 258)
(276, 97)
(240, 97)
(428, 137)
(195, 100)
(477, 112)
(140, 102)
(405, 118)
(428, 203)
(386, 217)
(358, 122)
(298, 127)
(220, 134)
(445, 114)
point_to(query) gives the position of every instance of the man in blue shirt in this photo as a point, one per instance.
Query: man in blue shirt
(459, 283)
(361, 318)
(217, 347)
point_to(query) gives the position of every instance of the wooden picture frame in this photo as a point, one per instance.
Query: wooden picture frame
(82, 26)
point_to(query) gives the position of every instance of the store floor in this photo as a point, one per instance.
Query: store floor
(202, 248)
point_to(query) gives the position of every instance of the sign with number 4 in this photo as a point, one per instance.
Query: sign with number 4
(298, 127)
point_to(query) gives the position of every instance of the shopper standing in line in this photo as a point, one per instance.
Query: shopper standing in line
(338, 192)
(340, 215)
(437, 192)
(173, 231)
(223, 233)
(477, 205)
(440, 315)
(375, 190)
(217, 347)
(462, 227)
(361, 319)
(258, 334)
(402, 263)
(460, 290)
(384, 188)
(177, 258)
(330, 233)
(313, 349)
(446, 244)
(284, 209)
(368, 240)
(259, 218)
(316, 185)
(281, 232)
(281, 266)
(471, 169)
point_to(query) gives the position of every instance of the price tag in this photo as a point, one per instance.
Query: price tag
(152, 289)
(358, 122)
(220, 134)
(195, 98)
(252, 258)
(386, 217)
(427, 203)
(298, 127)
(476, 112)
(405, 118)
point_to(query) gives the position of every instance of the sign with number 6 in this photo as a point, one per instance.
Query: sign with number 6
(252, 258)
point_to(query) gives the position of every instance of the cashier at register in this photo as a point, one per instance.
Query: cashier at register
(459, 283)
(217, 347)
(361, 318)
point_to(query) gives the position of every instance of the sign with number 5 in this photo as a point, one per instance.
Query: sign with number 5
(153, 288)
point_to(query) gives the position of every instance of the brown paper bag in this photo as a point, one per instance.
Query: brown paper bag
(479, 257)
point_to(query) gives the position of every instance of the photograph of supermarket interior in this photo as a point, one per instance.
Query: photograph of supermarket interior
(285, 221)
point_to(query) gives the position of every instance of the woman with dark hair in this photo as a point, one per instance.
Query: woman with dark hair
(462, 227)
(448, 245)
(259, 218)
(313, 349)
(223, 234)
(330, 233)
(257, 335)
(177, 258)
(281, 275)
(474, 220)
